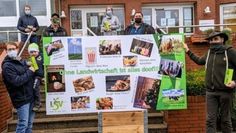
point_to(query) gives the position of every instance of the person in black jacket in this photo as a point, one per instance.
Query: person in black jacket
(219, 59)
(18, 79)
(139, 27)
(54, 29)
(26, 24)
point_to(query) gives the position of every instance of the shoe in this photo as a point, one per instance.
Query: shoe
(36, 108)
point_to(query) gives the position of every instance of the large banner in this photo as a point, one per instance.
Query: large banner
(110, 73)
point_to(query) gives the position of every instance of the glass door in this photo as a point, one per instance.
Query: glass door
(87, 20)
(94, 21)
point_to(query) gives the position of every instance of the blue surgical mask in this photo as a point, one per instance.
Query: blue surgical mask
(12, 54)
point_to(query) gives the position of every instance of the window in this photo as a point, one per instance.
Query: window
(76, 19)
(164, 16)
(188, 19)
(228, 15)
(13, 36)
(168, 18)
(38, 7)
(8, 8)
(147, 15)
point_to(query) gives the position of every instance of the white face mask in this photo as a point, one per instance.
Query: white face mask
(27, 12)
(12, 54)
(109, 13)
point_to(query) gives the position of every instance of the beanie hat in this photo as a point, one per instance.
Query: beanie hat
(33, 47)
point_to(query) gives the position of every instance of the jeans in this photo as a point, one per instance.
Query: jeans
(25, 118)
(33, 38)
(222, 102)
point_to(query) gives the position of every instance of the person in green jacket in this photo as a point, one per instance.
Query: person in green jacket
(218, 61)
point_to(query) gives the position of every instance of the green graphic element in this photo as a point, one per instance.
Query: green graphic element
(172, 93)
(56, 104)
(46, 59)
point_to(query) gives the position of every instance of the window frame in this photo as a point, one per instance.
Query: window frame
(171, 6)
(222, 6)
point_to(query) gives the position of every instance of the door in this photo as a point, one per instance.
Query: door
(87, 20)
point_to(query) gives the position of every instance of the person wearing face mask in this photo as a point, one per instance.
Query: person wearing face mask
(26, 24)
(18, 78)
(139, 27)
(54, 29)
(219, 59)
(110, 23)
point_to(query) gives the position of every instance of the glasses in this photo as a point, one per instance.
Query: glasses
(11, 49)
(33, 52)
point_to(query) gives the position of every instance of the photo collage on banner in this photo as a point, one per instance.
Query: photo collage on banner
(172, 93)
(111, 73)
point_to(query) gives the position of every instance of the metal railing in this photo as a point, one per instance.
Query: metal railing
(163, 29)
(191, 26)
(8, 33)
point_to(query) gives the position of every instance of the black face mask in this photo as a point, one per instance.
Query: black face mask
(138, 20)
(216, 45)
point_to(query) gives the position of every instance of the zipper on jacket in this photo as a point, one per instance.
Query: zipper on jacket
(212, 76)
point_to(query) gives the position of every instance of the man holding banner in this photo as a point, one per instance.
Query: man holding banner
(220, 80)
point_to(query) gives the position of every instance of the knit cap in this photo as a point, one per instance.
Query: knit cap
(33, 47)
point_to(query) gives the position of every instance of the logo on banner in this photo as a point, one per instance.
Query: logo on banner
(56, 104)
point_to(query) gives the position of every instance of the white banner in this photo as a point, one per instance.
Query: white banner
(92, 74)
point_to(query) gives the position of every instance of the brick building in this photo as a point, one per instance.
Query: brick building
(82, 15)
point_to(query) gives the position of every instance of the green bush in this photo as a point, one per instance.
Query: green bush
(196, 82)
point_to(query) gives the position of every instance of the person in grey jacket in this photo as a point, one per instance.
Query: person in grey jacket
(26, 24)
(110, 23)
(219, 94)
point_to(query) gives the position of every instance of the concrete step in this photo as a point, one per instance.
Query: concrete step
(42, 114)
(152, 128)
(60, 123)
(153, 117)
(157, 128)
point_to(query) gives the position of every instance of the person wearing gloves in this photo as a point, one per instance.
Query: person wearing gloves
(220, 80)
(110, 23)
(18, 79)
(36, 57)
(26, 24)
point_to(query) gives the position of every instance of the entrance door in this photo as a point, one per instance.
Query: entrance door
(86, 21)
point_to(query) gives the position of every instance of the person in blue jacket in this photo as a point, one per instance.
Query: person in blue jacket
(26, 24)
(18, 79)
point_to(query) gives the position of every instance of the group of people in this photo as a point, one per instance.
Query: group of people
(22, 77)
(22, 80)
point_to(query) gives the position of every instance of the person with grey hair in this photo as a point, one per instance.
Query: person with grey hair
(220, 85)
(110, 23)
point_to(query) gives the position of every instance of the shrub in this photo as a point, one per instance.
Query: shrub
(195, 82)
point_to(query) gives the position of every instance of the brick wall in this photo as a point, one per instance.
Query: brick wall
(191, 120)
(5, 103)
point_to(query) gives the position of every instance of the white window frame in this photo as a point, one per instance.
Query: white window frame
(221, 13)
(170, 6)
(11, 21)
(88, 9)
